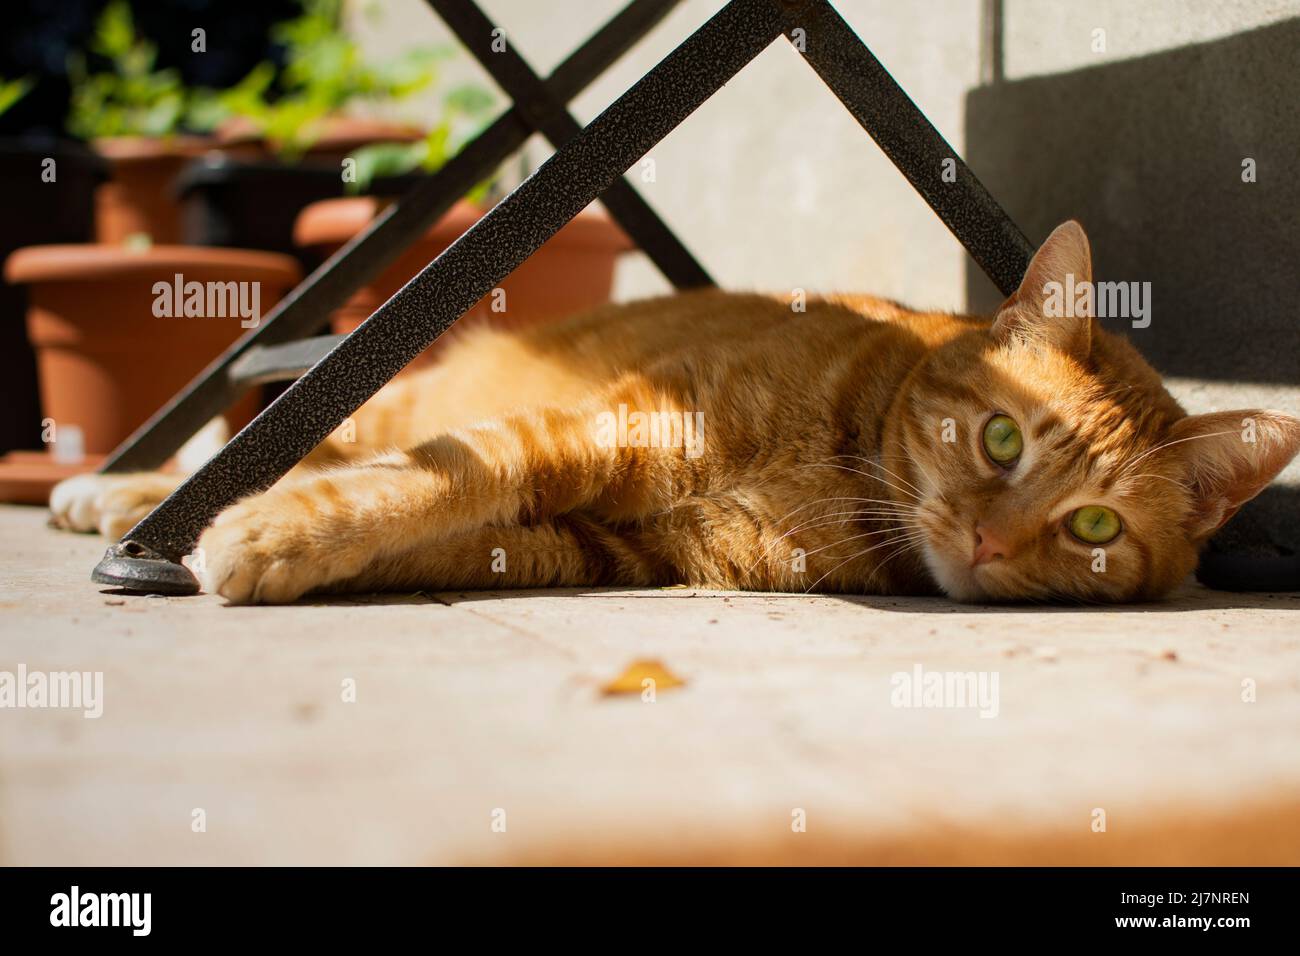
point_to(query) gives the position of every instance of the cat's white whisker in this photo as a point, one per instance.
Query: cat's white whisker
(875, 464)
(919, 467)
(909, 539)
(836, 544)
(1168, 444)
(907, 547)
(1151, 474)
(838, 517)
(816, 501)
(868, 476)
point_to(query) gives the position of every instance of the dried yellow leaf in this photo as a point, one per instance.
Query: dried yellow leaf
(633, 678)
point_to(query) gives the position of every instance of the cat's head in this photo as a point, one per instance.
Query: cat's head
(1050, 462)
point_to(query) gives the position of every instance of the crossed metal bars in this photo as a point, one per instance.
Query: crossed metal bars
(341, 373)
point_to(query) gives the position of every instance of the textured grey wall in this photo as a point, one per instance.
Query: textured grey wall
(771, 183)
(1148, 153)
(775, 186)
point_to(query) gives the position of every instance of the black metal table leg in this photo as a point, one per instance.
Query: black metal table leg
(369, 253)
(904, 134)
(304, 415)
(548, 114)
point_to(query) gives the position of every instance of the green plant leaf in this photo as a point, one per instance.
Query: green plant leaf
(114, 31)
(469, 99)
(11, 91)
(385, 159)
(407, 74)
(130, 99)
(436, 146)
(161, 117)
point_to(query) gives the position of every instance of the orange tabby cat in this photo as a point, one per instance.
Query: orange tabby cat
(856, 446)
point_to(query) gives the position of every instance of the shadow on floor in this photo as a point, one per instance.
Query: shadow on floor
(1191, 597)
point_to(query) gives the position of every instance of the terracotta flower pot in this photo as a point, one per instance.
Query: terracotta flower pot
(334, 138)
(572, 271)
(139, 196)
(106, 358)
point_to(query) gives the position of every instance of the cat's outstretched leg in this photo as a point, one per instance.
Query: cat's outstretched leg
(109, 504)
(570, 551)
(114, 504)
(523, 470)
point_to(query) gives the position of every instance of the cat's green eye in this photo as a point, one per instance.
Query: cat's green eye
(1094, 524)
(1002, 440)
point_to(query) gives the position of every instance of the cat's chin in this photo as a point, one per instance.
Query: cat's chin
(957, 579)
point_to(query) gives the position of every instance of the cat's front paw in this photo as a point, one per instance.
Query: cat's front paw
(269, 549)
(109, 504)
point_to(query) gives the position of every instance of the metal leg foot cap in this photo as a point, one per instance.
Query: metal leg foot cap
(137, 568)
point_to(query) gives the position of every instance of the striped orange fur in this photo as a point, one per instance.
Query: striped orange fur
(841, 451)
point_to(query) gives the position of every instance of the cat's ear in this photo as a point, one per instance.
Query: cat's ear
(1053, 305)
(1229, 458)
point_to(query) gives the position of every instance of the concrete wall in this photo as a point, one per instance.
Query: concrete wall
(771, 183)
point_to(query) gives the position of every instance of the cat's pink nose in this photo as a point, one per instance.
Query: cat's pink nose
(989, 546)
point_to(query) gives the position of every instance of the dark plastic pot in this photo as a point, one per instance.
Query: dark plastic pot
(332, 138)
(36, 213)
(253, 204)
